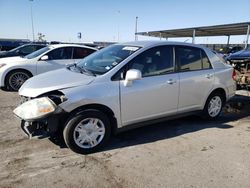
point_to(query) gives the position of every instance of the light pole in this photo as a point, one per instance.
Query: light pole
(31, 13)
(136, 25)
(118, 32)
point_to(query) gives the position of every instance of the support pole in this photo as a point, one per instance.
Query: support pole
(228, 39)
(193, 41)
(136, 25)
(32, 25)
(248, 28)
(160, 36)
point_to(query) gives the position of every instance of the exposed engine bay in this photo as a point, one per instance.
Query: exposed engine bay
(242, 68)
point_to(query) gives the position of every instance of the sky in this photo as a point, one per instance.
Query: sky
(114, 20)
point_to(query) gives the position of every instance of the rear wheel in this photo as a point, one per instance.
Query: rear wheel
(213, 106)
(15, 79)
(87, 132)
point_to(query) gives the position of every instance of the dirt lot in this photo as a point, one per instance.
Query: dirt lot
(188, 152)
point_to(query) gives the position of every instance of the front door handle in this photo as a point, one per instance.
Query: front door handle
(171, 81)
(209, 76)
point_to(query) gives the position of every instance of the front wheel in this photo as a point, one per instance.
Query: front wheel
(87, 132)
(213, 106)
(15, 79)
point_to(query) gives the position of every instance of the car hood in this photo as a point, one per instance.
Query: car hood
(240, 54)
(12, 59)
(53, 80)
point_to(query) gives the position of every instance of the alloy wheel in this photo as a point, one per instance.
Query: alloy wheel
(89, 133)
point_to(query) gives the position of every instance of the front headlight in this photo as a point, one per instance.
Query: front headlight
(35, 109)
(1, 65)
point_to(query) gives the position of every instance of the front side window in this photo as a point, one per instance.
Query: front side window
(80, 53)
(188, 58)
(155, 61)
(60, 53)
(106, 59)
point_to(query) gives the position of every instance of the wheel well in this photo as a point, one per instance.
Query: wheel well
(220, 91)
(106, 110)
(14, 70)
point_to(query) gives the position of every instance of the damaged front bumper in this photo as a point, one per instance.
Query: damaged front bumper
(40, 116)
(45, 127)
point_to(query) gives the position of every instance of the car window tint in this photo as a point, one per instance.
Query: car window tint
(39, 47)
(188, 58)
(60, 53)
(80, 53)
(27, 49)
(205, 61)
(155, 61)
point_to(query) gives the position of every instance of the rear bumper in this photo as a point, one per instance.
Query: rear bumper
(231, 91)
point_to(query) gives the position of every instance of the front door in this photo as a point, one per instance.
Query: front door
(156, 94)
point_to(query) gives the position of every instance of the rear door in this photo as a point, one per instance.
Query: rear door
(57, 58)
(156, 94)
(196, 77)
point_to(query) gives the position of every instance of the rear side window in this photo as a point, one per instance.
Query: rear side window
(205, 61)
(188, 58)
(27, 49)
(80, 53)
(191, 59)
(39, 47)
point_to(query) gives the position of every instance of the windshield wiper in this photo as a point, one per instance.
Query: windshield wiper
(84, 70)
(81, 69)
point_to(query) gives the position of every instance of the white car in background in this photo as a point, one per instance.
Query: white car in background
(14, 71)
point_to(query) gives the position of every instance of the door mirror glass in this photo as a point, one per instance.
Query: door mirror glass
(44, 58)
(131, 75)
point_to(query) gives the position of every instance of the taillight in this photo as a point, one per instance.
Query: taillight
(234, 75)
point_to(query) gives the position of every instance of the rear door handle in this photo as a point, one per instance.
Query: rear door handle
(209, 76)
(171, 81)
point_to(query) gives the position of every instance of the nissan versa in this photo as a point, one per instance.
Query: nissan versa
(124, 86)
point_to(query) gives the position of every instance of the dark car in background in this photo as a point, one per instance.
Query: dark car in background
(22, 50)
(226, 51)
(241, 63)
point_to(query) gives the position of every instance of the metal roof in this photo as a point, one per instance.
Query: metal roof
(216, 30)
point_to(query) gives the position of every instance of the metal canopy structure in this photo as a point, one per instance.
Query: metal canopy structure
(216, 30)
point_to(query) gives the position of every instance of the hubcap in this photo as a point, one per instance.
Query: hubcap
(89, 132)
(17, 79)
(214, 106)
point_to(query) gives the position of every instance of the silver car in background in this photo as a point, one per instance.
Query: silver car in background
(125, 86)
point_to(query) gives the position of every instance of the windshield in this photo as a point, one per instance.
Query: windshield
(37, 53)
(104, 60)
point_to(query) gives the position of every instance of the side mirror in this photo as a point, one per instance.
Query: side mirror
(44, 58)
(131, 75)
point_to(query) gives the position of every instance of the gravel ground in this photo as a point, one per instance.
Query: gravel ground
(188, 152)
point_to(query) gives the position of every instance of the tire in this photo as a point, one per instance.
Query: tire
(15, 79)
(94, 127)
(213, 106)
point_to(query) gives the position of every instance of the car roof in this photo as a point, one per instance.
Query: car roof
(70, 45)
(155, 43)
